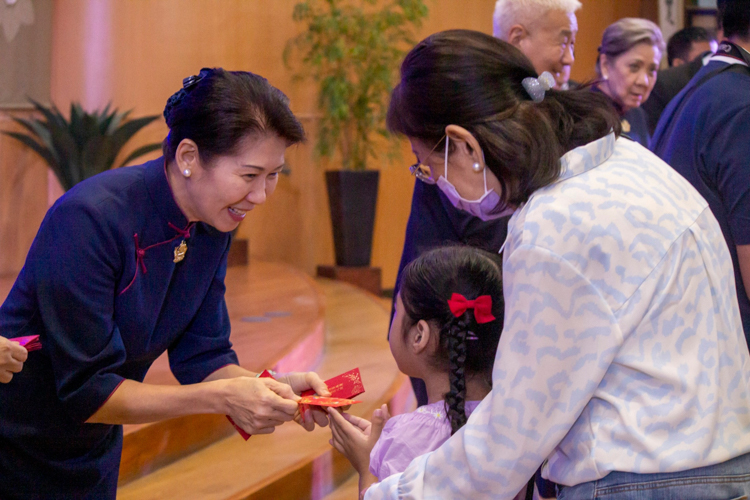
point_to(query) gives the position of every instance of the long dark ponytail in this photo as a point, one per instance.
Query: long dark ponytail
(466, 348)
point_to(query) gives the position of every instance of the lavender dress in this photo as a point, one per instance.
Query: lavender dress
(410, 435)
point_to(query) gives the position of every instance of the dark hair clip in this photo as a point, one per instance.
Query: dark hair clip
(187, 83)
(192, 81)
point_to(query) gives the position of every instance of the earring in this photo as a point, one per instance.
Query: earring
(476, 167)
(187, 172)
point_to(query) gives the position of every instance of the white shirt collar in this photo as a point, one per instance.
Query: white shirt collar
(586, 157)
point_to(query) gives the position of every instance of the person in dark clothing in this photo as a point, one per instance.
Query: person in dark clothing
(628, 60)
(687, 51)
(704, 134)
(127, 265)
(545, 32)
(669, 83)
(688, 44)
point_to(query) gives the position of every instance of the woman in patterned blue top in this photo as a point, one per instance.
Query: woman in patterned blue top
(622, 365)
(130, 264)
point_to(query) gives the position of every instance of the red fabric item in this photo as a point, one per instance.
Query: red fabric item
(347, 385)
(324, 401)
(342, 388)
(31, 342)
(482, 306)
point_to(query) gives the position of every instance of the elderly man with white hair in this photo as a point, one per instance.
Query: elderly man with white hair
(544, 30)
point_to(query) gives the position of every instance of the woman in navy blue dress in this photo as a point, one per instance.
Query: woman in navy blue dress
(127, 265)
(627, 65)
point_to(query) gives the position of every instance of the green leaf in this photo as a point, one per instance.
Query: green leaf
(38, 148)
(40, 130)
(143, 150)
(128, 130)
(84, 145)
(61, 175)
(95, 156)
(116, 120)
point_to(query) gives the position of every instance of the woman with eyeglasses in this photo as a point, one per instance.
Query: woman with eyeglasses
(130, 264)
(622, 368)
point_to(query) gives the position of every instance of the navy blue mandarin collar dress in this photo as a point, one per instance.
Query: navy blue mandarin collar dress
(101, 288)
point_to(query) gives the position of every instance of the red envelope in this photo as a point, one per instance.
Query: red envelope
(324, 401)
(344, 386)
(245, 435)
(30, 342)
(347, 385)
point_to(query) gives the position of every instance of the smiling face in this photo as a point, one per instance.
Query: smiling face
(221, 193)
(630, 77)
(549, 43)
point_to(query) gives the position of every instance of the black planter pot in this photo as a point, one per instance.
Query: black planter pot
(352, 197)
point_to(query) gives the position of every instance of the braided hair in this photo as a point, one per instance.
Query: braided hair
(466, 348)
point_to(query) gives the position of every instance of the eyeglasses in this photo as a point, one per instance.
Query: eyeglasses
(423, 172)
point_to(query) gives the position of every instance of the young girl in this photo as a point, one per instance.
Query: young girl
(445, 331)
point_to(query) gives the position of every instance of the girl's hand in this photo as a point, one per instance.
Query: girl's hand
(355, 437)
(12, 357)
(302, 381)
(258, 405)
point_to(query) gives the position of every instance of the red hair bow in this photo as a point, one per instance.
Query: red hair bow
(482, 306)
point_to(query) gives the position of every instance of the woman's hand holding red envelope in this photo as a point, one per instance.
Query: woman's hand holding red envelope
(259, 405)
(12, 357)
(300, 382)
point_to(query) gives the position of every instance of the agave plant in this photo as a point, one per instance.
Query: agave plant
(84, 146)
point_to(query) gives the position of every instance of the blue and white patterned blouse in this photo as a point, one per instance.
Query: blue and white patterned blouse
(622, 347)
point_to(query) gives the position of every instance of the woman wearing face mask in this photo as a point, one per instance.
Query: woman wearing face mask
(627, 66)
(622, 365)
(127, 265)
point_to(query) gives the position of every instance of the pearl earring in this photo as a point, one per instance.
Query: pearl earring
(476, 167)
(187, 172)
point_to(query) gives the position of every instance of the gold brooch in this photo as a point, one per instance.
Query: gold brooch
(179, 252)
(625, 126)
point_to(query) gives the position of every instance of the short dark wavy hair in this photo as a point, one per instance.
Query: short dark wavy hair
(680, 43)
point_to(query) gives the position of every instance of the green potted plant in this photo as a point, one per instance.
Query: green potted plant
(353, 49)
(84, 145)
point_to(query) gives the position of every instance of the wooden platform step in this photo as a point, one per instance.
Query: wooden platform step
(291, 463)
(348, 490)
(277, 317)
